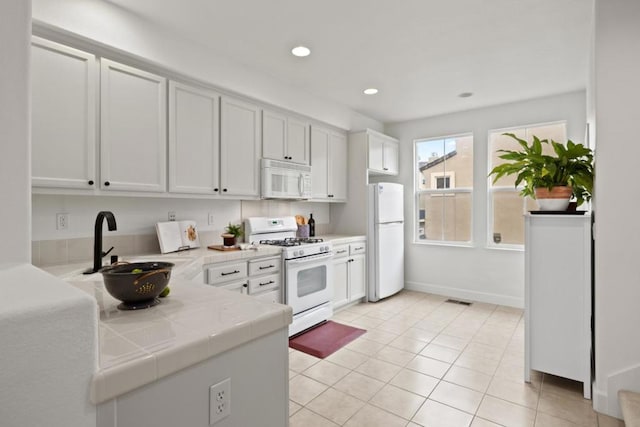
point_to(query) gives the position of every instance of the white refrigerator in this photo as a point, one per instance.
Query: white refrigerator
(386, 240)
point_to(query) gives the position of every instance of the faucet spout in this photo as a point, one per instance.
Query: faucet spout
(97, 239)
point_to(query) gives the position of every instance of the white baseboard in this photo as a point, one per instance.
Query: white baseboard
(465, 294)
(607, 401)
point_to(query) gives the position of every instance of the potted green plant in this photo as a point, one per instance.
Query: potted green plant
(550, 179)
(231, 234)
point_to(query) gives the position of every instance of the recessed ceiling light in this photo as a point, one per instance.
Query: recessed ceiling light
(301, 51)
(370, 91)
(465, 94)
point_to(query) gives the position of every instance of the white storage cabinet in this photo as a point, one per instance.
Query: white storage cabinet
(285, 138)
(133, 132)
(194, 140)
(382, 154)
(63, 116)
(349, 273)
(558, 297)
(240, 148)
(258, 277)
(329, 159)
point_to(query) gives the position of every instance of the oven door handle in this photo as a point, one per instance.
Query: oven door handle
(310, 259)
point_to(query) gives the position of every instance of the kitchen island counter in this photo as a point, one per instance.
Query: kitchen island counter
(195, 323)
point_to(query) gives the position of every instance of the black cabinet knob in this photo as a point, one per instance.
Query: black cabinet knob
(90, 182)
(215, 189)
(107, 183)
(224, 190)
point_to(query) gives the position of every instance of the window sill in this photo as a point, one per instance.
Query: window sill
(508, 248)
(443, 243)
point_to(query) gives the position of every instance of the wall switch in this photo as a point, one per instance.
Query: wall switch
(211, 219)
(172, 216)
(62, 221)
(220, 401)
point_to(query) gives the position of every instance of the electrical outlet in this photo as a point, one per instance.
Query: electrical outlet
(62, 221)
(211, 219)
(172, 216)
(220, 401)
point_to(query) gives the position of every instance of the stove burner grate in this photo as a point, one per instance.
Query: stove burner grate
(291, 241)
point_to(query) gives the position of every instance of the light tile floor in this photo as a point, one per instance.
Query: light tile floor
(424, 362)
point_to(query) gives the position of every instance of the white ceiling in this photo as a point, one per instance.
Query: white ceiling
(420, 54)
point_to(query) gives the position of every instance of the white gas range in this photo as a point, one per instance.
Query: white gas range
(307, 269)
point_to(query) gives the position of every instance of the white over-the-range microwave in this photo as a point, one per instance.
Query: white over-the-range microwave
(283, 180)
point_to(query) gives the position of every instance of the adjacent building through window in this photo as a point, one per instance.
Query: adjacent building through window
(443, 189)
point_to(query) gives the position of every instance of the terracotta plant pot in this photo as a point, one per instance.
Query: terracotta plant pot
(556, 199)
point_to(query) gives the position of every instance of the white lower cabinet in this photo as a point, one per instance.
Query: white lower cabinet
(258, 277)
(558, 297)
(349, 273)
(184, 397)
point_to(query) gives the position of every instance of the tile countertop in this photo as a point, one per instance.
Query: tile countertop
(194, 323)
(341, 239)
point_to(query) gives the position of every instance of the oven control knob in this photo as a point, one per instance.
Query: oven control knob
(301, 252)
(325, 249)
(295, 253)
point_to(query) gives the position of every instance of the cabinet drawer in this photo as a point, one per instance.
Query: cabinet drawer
(340, 251)
(357, 248)
(269, 265)
(226, 272)
(264, 283)
(240, 286)
(271, 296)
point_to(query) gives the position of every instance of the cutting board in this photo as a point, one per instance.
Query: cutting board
(223, 248)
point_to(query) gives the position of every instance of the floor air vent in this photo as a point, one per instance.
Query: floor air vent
(455, 301)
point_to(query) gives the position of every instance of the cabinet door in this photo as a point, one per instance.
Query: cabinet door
(194, 145)
(319, 163)
(337, 167)
(340, 281)
(297, 142)
(63, 116)
(390, 158)
(376, 147)
(239, 148)
(274, 135)
(133, 130)
(357, 277)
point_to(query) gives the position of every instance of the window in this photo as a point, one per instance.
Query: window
(506, 206)
(443, 189)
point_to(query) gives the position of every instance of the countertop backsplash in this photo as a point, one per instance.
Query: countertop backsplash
(65, 251)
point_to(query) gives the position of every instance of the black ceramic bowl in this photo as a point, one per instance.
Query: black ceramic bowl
(137, 284)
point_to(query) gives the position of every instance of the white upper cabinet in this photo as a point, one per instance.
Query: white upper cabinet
(63, 116)
(328, 165)
(298, 147)
(239, 148)
(194, 144)
(285, 138)
(338, 160)
(382, 154)
(274, 135)
(319, 163)
(133, 129)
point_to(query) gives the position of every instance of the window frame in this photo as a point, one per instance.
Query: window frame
(489, 243)
(441, 193)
